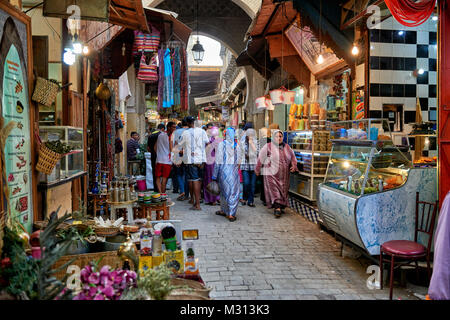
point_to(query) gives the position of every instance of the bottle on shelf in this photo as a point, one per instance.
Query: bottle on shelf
(116, 193)
(127, 192)
(102, 212)
(157, 243)
(121, 192)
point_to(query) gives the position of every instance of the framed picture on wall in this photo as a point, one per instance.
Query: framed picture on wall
(18, 187)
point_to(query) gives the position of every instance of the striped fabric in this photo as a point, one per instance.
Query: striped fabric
(148, 72)
(146, 42)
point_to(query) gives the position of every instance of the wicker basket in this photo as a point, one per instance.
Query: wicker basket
(106, 231)
(45, 91)
(188, 287)
(110, 258)
(47, 160)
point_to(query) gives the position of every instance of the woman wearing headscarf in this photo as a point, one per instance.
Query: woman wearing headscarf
(226, 172)
(211, 149)
(264, 138)
(275, 162)
(249, 147)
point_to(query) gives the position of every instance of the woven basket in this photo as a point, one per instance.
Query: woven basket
(188, 287)
(47, 159)
(110, 258)
(45, 91)
(106, 231)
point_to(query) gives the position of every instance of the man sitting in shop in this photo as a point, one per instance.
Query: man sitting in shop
(133, 146)
(163, 148)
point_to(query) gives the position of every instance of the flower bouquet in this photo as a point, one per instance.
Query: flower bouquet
(106, 284)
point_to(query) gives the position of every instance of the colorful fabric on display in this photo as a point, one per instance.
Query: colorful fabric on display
(168, 81)
(276, 185)
(110, 142)
(161, 81)
(152, 39)
(184, 81)
(440, 280)
(148, 72)
(176, 78)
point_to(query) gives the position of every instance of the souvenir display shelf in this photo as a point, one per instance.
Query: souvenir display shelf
(312, 149)
(71, 164)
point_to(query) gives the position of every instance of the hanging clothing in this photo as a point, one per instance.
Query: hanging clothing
(184, 80)
(176, 78)
(226, 171)
(124, 87)
(274, 163)
(161, 81)
(439, 288)
(211, 149)
(168, 81)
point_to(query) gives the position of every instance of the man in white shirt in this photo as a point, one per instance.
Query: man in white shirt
(193, 141)
(163, 148)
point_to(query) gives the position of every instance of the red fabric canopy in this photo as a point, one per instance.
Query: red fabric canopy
(411, 13)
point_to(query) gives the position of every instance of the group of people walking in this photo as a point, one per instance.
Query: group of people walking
(195, 157)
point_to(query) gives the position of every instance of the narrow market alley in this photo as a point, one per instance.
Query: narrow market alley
(260, 257)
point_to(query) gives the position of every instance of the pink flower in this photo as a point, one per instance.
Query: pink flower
(99, 297)
(106, 281)
(108, 291)
(84, 274)
(132, 274)
(93, 291)
(104, 270)
(94, 278)
(80, 296)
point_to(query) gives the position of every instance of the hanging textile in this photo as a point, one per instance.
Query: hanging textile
(148, 72)
(168, 81)
(184, 81)
(409, 12)
(152, 40)
(176, 78)
(161, 79)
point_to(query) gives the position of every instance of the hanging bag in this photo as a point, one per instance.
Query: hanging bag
(148, 72)
(152, 39)
(45, 91)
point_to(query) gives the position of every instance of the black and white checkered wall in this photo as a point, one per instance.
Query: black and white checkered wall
(395, 52)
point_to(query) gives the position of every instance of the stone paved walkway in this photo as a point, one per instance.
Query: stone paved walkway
(260, 257)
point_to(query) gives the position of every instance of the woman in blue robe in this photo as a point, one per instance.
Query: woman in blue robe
(226, 172)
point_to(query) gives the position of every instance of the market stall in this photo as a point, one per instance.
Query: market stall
(368, 196)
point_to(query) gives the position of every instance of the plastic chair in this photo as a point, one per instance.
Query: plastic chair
(411, 250)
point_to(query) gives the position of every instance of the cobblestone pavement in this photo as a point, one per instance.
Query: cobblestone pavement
(260, 257)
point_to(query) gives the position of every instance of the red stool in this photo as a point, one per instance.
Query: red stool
(412, 251)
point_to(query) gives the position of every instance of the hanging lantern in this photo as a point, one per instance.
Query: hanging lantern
(198, 52)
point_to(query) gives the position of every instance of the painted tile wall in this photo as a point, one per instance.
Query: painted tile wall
(395, 52)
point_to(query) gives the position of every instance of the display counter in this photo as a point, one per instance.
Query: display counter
(368, 196)
(312, 149)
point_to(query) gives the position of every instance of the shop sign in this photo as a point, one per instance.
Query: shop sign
(357, 106)
(225, 113)
(17, 147)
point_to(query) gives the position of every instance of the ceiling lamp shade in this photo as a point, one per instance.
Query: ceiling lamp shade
(198, 52)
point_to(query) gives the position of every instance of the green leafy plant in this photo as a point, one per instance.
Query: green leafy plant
(58, 146)
(154, 283)
(52, 248)
(18, 271)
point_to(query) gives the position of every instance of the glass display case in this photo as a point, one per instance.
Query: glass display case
(368, 195)
(312, 149)
(71, 164)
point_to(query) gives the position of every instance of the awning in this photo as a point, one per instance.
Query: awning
(129, 14)
(203, 100)
(256, 54)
